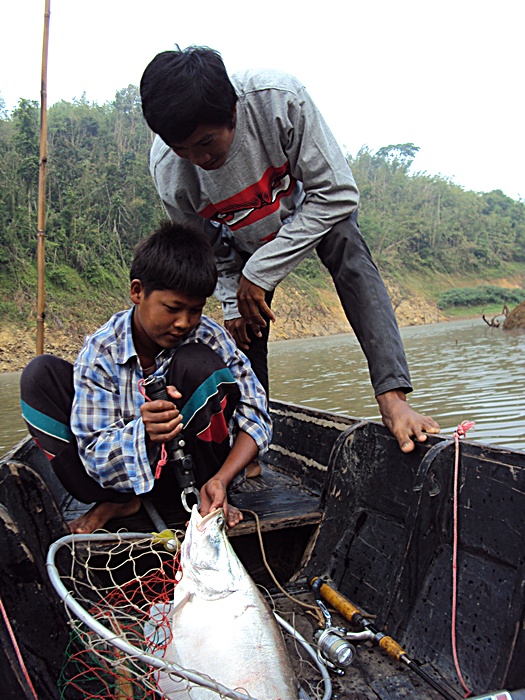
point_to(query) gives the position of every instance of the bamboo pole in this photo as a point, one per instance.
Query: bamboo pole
(40, 254)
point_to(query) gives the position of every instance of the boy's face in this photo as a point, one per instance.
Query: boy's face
(207, 147)
(163, 318)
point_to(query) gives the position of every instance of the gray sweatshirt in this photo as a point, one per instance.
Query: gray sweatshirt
(284, 185)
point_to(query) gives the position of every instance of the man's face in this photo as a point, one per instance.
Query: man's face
(163, 318)
(207, 147)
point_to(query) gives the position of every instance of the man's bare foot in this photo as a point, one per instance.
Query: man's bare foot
(101, 513)
(253, 469)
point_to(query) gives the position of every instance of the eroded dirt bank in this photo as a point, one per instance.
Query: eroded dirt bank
(297, 317)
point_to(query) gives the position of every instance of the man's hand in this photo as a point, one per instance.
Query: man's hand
(162, 419)
(213, 496)
(404, 423)
(252, 304)
(238, 328)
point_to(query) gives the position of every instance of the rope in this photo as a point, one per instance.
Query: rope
(308, 606)
(163, 452)
(17, 649)
(461, 431)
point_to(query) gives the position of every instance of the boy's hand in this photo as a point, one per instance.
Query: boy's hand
(404, 423)
(162, 419)
(252, 304)
(213, 496)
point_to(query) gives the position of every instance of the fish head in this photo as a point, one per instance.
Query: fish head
(210, 567)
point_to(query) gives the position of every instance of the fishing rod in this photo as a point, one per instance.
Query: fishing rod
(351, 613)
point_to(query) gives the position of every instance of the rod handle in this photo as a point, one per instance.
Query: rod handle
(392, 648)
(337, 600)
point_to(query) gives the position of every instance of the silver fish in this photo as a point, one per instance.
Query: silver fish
(222, 626)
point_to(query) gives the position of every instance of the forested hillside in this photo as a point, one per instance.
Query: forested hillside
(422, 221)
(101, 201)
(100, 198)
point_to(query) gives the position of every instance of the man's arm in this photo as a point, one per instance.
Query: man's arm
(317, 161)
(331, 195)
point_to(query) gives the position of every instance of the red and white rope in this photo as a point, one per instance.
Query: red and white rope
(461, 431)
(17, 649)
(163, 452)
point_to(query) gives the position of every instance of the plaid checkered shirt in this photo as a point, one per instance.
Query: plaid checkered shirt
(106, 416)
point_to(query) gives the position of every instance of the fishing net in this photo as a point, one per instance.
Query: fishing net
(118, 589)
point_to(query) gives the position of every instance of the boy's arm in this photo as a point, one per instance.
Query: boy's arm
(213, 494)
(111, 441)
(251, 414)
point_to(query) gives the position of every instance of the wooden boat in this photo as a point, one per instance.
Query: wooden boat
(336, 499)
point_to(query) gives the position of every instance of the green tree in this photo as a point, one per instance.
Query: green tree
(100, 201)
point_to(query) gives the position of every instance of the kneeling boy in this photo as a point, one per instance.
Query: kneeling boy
(92, 420)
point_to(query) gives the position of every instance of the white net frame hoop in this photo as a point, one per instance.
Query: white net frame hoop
(102, 635)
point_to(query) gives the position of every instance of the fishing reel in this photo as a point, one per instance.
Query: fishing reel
(333, 647)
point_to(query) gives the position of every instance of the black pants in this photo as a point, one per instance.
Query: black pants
(366, 304)
(47, 393)
(258, 351)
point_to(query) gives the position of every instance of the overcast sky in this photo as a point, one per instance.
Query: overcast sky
(447, 76)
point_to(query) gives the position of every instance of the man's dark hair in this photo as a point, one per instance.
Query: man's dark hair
(184, 89)
(177, 257)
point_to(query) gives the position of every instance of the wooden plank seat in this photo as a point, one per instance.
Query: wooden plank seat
(279, 500)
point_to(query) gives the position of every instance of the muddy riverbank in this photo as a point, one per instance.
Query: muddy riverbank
(297, 317)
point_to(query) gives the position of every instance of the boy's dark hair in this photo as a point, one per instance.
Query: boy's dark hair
(176, 257)
(184, 89)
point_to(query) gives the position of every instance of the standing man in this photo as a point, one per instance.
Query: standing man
(252, 160)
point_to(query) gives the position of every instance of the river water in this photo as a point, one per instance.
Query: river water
(461, 370)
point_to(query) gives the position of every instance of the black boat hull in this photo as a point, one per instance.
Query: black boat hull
(339, 500)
